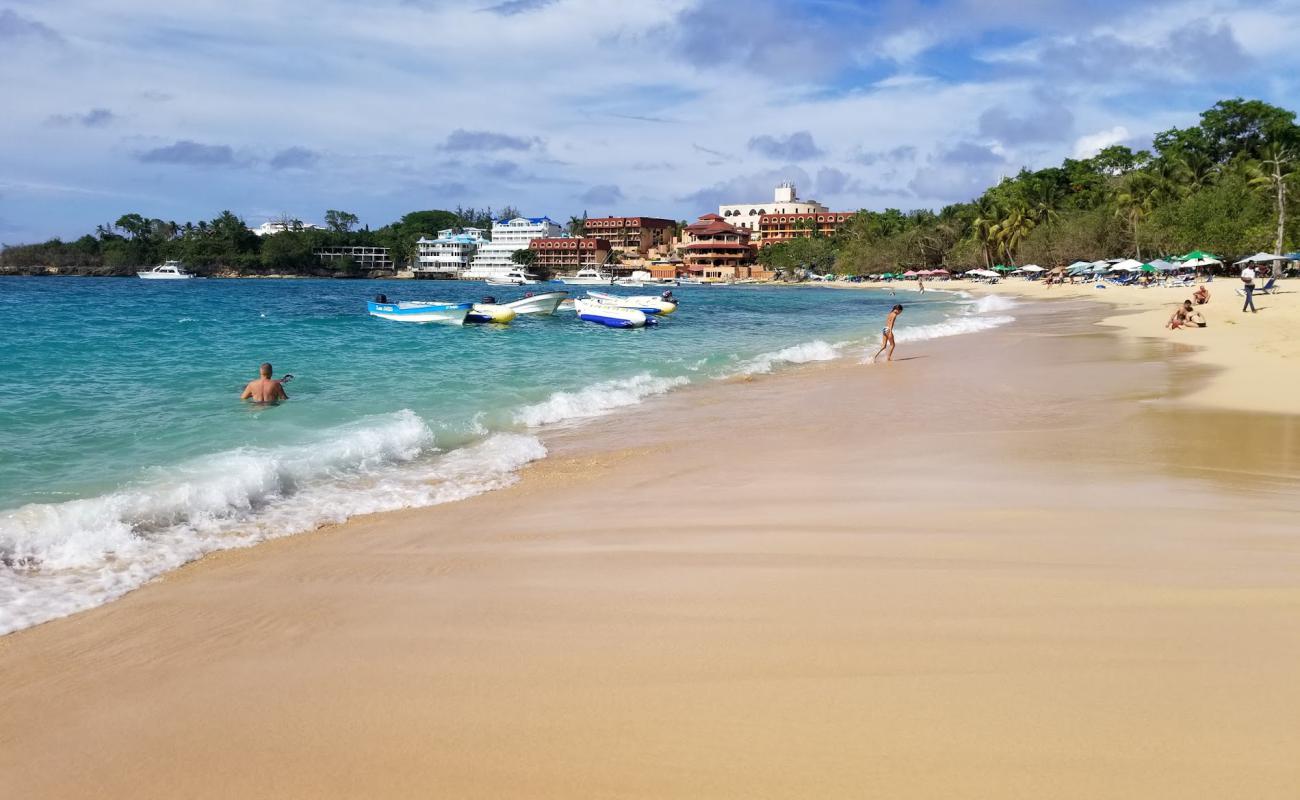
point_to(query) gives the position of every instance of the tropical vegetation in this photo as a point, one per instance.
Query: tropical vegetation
(1224, 185)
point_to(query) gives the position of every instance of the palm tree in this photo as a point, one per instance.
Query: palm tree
(1198, 169)
(985, 226)
(1273, 171)
(1134, 201)
(1012, 229)
(577, 226)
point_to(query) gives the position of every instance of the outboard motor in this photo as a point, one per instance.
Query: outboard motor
(488, 301)
(381, 298)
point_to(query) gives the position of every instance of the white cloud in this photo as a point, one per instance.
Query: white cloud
(1091, 144)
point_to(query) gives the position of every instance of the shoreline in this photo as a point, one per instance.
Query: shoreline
(913, 591)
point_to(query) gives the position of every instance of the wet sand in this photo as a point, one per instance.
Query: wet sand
(1005, 566)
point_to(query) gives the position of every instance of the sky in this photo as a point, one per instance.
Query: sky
(180, 110)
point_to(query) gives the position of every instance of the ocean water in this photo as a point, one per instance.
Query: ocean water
(124, 451)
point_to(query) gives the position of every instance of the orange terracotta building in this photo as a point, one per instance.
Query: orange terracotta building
(717, 250)
(774, 228)
(631, 234)
(560, 254)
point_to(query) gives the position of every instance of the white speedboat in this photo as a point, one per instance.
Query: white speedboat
(515, 277)
(423, 312)
(646, 304)
(166, 271)
(588, 277)
(630, 284)
(611, 316)
(541, 304)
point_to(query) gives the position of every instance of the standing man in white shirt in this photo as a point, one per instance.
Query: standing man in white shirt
(1248, 283)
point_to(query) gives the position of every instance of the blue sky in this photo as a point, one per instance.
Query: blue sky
(179, 110)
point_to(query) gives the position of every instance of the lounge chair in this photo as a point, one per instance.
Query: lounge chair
(1267, 288)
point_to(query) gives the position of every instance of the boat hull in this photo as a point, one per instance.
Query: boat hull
(609, 315)
(543, 304)
(421, 313)
(154, 276)
(490, 312)
(647, 304)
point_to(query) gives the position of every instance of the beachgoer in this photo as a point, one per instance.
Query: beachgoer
(920, 286)
(887, 333)
(1191, 316)
(1201, 296)
(1248, 283)
(263, 389)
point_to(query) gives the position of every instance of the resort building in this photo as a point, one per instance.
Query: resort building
(785, 201)
(366, 258)
(718, 250)
(508, 235)
(632, 234)
(568, 254)
(774, 228)
(450, 254)
(280, 226)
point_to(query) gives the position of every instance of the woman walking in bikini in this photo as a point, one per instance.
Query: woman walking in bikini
(887, 333)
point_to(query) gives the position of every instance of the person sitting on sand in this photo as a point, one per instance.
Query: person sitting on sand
(263, 389)
(1191, 316)
(1177, 320)
(887, 333)
(1201, 296)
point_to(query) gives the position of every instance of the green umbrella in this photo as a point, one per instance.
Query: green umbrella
(887, 275)
(1197, 255)
(1147, 268)
(1003, 268)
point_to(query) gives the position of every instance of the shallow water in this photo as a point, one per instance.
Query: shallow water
(126, 453)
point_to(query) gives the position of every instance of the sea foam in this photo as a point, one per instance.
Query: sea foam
(59, 558)
(596, 400)
(805, 353)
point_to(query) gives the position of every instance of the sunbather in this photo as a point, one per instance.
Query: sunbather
(1201, 296)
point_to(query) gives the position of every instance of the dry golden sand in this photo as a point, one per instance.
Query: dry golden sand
(1257, 354)
(1006, 567)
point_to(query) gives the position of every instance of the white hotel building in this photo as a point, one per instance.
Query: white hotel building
(785, 201)
(450, 253)
(509, 235)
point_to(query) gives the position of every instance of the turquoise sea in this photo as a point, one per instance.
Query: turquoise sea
(124, 451)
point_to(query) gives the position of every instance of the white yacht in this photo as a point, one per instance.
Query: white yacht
(166, 271)
(588, 277)
(515, 277)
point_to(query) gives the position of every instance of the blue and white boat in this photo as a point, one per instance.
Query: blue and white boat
(438, 313)
(611, 316)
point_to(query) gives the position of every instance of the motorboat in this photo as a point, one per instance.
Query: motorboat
(588, 277)
(166, 271)
(630, 284)
(541, 303)
(647, 304)
(440, 313)
(515, 277)
(490, 312)
(608, 315)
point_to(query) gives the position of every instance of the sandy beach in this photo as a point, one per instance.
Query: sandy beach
(1056, 559)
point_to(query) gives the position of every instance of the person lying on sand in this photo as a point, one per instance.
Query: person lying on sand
(263, 389)
(887, 333)
(1201, 295)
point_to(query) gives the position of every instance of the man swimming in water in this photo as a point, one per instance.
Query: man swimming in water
(263, 389)
(887, 333)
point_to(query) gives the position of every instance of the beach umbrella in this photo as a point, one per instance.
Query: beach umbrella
(909, 274)
(887, 275)
(1003, 268)
(1127, 265)
(1260, 258)
(1164, 266)
(1147, 268)
(1201, 256)
(1032, 268)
